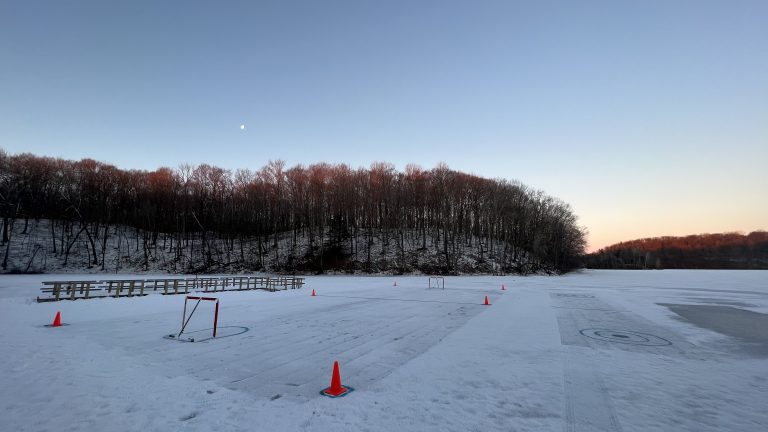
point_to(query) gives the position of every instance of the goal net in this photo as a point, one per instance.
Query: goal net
(436, 282)
(199, 313)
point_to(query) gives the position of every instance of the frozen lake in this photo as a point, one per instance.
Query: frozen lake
(590, 351)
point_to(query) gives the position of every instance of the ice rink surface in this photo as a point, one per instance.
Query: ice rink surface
(590, 351)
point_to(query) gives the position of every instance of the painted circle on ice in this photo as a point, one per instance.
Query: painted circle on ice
(574, 295)
(625, 337)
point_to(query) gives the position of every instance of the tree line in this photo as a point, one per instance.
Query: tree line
(701, 251)
(323, 212)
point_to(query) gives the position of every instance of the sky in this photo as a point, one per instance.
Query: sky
(649, 118)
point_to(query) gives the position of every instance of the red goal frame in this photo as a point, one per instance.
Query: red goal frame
(185, 320)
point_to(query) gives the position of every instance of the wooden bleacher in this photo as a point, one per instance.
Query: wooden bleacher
(75, 290)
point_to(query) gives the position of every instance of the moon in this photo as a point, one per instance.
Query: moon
(242, 127)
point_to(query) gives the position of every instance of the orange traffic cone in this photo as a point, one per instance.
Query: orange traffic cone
(486, 301)
(56, 321)
(313, 293)
(336, 389)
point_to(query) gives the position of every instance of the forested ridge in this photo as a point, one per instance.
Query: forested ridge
(289, 219)
(701, 251)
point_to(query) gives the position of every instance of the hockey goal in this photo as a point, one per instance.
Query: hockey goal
(191, 303)
(437, 282)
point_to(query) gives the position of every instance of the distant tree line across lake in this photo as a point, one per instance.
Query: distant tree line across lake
(702, 251)
(330, 208)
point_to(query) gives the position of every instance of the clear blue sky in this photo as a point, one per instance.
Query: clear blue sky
(648, 117)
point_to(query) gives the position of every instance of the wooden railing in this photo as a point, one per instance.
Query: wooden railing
(74, 290)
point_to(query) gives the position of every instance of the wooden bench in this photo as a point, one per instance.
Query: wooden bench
(69, 290)
(73, 290)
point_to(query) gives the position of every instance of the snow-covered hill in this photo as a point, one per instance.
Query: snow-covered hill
(40, 246)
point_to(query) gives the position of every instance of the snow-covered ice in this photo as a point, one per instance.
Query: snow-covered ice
(590, 351)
